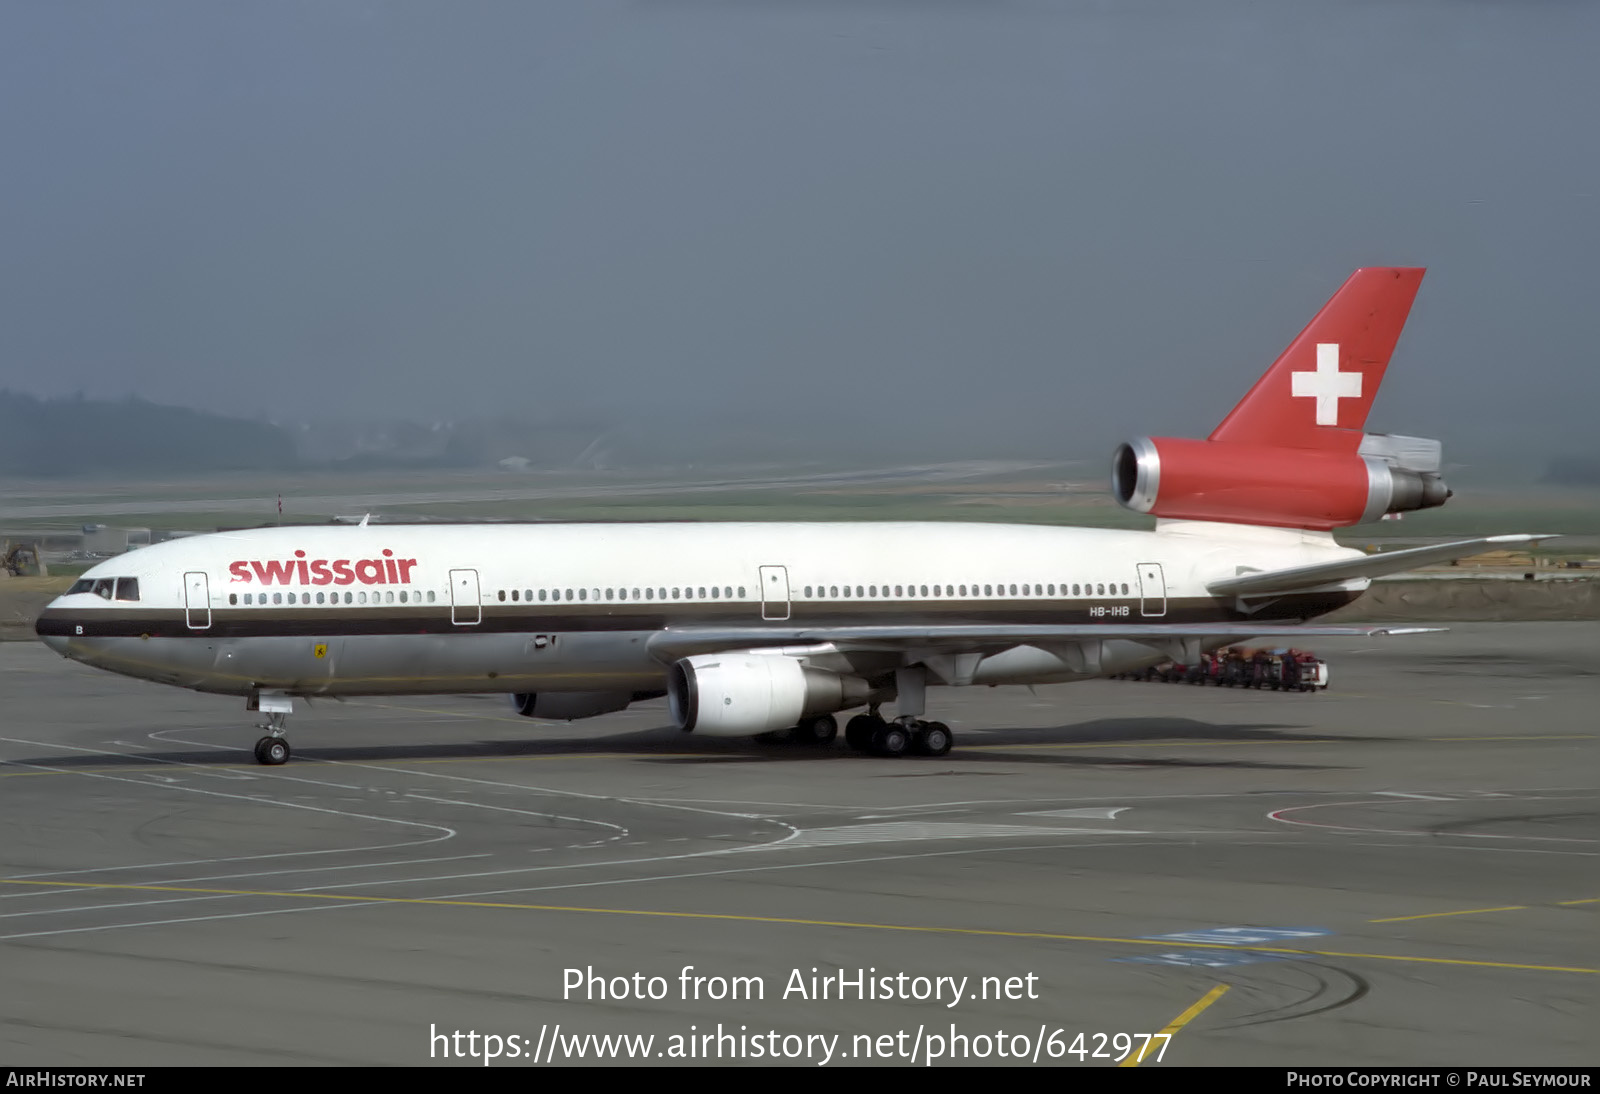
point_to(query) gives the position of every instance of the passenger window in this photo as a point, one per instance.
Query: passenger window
(277, 598)
(513, 594)
(808, 590)
(1124, 588)
(649, 594)
(610, 594)
(636, 594)
(661, 594)
(233, 598)
(702, 592)
(430, 597)
(727, 592)
(988, 590)
(128, 588)
(541, 594)
(502, 596)
(741, 592)
(583, 594)
(675, 594)
(714, 592)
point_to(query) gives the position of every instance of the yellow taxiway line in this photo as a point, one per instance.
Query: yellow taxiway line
(1178, 1023)
(1048, 936)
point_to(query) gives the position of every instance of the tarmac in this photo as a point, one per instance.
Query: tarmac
(1401, 870)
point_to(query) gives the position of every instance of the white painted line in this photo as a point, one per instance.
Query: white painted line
(1089, 813)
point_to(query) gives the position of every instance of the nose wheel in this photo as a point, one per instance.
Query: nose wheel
(272, 751)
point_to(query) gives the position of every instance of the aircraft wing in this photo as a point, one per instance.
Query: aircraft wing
(1389, 562)
(676, 642)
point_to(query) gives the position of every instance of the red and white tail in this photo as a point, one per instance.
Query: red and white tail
(1319, 390)
(1293, 453)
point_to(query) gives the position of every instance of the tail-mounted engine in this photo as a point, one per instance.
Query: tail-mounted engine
(1312, 488)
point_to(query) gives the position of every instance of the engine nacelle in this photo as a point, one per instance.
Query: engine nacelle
(743, 694)
(1310, 488)
(567, 706)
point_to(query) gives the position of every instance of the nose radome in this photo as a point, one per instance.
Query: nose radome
(56, 642)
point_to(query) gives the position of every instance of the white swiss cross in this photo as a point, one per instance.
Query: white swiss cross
(1327, 385)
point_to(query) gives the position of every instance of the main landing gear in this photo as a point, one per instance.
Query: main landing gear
(908, 733)
(904, 736)
(272, 749)
(819, 731)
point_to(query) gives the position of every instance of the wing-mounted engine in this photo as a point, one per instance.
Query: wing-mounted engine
(744, 694)
(567, 706)
(1314, 488)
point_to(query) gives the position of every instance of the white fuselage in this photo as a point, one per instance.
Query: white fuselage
(388, 609)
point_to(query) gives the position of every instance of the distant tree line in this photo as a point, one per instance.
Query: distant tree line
(78, 436)
(1574, 471)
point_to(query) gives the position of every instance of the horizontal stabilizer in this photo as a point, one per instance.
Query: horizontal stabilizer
(1389, 562)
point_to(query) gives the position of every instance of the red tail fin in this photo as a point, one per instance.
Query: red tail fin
(1317, 393)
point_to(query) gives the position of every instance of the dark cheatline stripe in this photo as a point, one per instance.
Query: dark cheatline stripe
(574, 618)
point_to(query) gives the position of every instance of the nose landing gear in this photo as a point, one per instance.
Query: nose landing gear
(272, 749)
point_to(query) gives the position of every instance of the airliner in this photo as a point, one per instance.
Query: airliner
(774, 628)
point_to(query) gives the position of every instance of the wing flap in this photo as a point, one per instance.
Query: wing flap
(673, 643)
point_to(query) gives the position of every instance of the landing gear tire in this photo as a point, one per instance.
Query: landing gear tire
(933, 739)
(890, 739)
(819, 731)
(272, 751)
(858, 731)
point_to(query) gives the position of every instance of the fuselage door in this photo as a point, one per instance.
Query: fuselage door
(774, 592)
(466, 609)
(1152, 589)
(196, 600)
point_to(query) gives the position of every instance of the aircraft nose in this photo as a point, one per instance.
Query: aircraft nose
(49, 629)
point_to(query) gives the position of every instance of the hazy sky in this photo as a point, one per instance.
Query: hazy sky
(1064, 221)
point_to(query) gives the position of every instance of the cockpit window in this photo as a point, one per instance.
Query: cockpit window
(107, 588)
